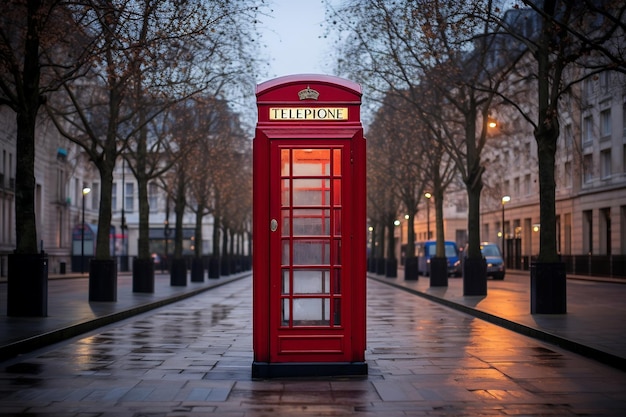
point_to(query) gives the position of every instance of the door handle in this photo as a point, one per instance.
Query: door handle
(274, 225)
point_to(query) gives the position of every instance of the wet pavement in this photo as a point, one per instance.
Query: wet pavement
(593, 325)
(194, 357)
(70, 313)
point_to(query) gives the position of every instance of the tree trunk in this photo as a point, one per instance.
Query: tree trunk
(197, 264)
(198, 233)
(410, 235)
(179, 211)
(216, 236)
(546, 136)
(25, 226)
(141, 153)
(391, 267)
(25, 222)
(103, 250)
(474, 274)
(225, 259)
(143, 266)
(547, 275)
(178, 270)
(439, 263)
(439, 229)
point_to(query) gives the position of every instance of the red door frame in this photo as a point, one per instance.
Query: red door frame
(346, 133)
(311, 343)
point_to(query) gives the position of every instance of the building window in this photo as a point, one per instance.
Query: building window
(568, 136)
(153, 193)
(588, 232)
(605, 163)
(527, 152)
(527, 189)
(129, 197)
(114, 197)
(588, 86)
(587, 131)
(61, 186)
(78, 190)
(605, 231)
(605, 123)
(568, 175)
(516, 186)
(587, 168)
(624, 118)
(605, 81)
(95, 195)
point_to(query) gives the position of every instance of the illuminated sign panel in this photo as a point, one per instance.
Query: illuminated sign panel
(309, 113)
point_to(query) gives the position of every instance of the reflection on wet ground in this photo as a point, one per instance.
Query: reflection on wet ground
(194, 358)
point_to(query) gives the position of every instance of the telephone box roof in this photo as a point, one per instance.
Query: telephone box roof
(267, 86)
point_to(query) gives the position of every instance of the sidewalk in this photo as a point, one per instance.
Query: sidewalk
(70, 313)
(193, 358)
(593, 325)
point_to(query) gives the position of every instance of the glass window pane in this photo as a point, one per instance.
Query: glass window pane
(337, 252)
(310, 252)
(311, 281)
(286, 228)
(311, 311)
(286, 286)
(337, 224)
(284, 162)
(337, 312)
(286, 312)
(337, 281)
(285, 251)
(336, 192)
(336, 161)
(285, 198)
(311, 162)
(311, 192)
(311, 222)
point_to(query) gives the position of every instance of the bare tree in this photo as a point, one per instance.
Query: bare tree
(220, 140)
(404, 45)
(153, 54)
(384, 170)
(211, 53)
(566, 42)
(40, 47)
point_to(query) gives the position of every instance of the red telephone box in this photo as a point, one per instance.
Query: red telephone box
(309, 230)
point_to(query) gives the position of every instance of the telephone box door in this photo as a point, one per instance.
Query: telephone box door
(310, 251)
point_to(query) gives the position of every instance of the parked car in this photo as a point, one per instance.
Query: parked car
(427, 250)
(493, 257)
(495, 262)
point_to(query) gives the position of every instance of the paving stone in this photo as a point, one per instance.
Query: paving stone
(193, 358)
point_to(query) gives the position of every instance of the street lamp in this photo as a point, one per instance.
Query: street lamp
(505, 200)
(428, 196)
(86, 191)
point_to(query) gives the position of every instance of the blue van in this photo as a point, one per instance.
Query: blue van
(427, 250)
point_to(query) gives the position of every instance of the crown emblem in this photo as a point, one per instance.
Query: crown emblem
(308, 94)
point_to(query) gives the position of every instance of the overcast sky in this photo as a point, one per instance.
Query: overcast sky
(295, 39)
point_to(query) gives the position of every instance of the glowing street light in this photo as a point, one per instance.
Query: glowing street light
(86, 191)
(505, 200)
(428, 196)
